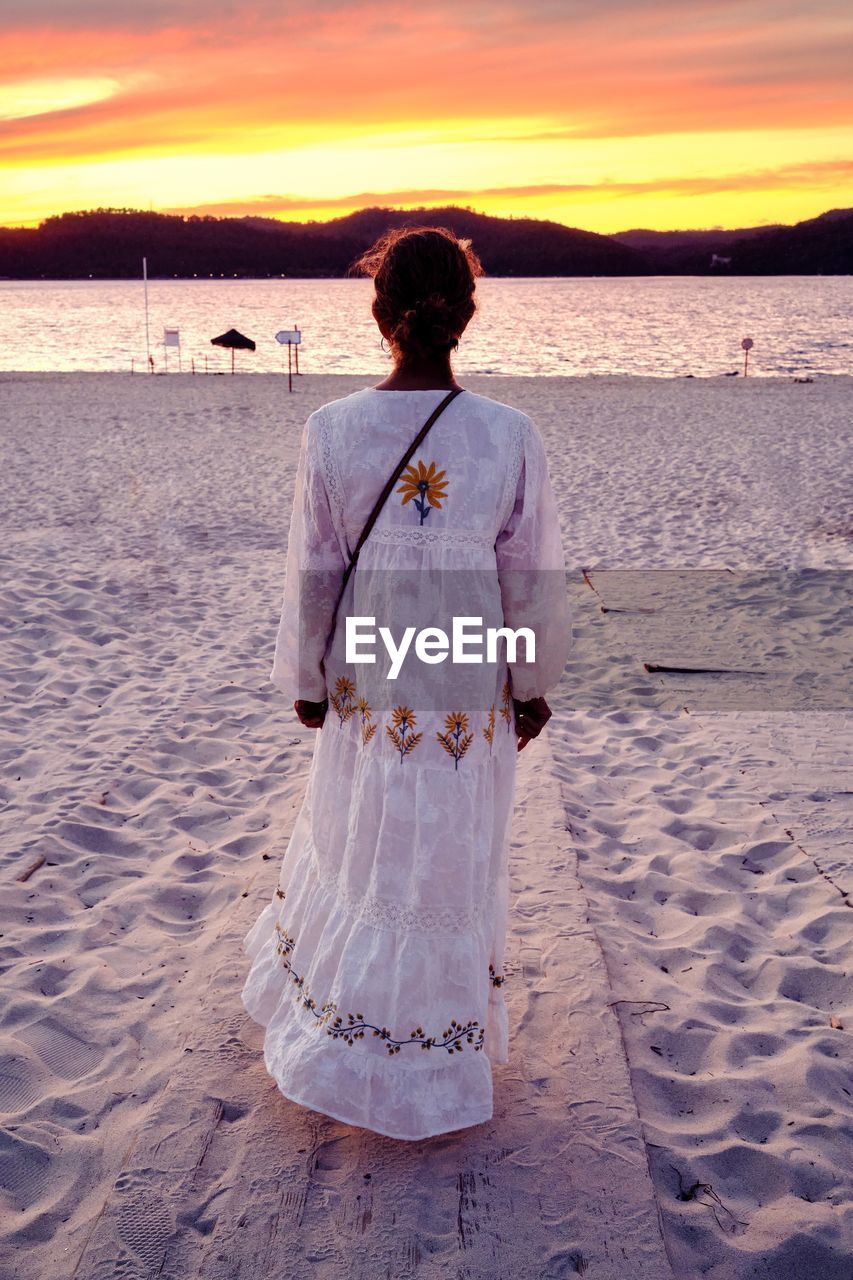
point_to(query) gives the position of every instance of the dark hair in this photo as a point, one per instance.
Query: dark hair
(424, 279)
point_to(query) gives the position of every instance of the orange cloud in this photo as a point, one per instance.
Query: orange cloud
(821, 174)
(232, 78)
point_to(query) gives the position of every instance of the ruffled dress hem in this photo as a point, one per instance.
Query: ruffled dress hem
(369, 1092)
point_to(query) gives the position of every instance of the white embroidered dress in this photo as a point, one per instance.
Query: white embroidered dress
(377, 967)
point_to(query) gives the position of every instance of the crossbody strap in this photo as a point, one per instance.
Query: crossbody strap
(392, 480)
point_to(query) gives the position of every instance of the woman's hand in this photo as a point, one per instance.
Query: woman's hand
(530, 719)
(311, 714)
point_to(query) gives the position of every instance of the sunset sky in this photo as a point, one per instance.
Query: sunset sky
(603, 115)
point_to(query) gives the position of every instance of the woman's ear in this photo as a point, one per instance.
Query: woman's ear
(383, 328)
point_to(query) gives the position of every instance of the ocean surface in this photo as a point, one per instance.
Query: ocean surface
(658, 325)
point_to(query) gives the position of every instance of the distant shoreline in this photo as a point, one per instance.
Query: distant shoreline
(369, 378)
(221, 279)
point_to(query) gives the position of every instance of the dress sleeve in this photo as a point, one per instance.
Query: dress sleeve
(532, 574)
(314, 569)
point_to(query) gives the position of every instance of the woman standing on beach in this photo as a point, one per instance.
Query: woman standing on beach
(377, 968)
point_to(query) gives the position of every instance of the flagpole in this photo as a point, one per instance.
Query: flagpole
(145, 281)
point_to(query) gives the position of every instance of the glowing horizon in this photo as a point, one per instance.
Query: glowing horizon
(659, 116)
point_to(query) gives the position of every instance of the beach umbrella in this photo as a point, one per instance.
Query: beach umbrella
(236, 341)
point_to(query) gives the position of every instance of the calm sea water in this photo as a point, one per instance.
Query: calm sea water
(659, 325)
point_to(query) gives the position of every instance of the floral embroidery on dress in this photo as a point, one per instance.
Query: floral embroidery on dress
(497, 979)
(489, 731)
(401, 731)
(368, 728)
(451, 1039)
(424, 486)
(506, 697)
(456, 739)
(341, 698)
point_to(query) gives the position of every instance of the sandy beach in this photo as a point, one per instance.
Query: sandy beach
(677, 1101)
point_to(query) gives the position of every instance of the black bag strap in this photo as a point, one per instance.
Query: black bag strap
(392, 480)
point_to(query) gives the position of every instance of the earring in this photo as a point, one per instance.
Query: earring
(382, 344)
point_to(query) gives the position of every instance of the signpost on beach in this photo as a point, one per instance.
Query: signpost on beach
(171, 338)
(147, 342)
(292, 337)
(747, 345)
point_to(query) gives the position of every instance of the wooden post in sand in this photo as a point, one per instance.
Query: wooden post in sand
(292, 337)
(747, 344)
(147, 341)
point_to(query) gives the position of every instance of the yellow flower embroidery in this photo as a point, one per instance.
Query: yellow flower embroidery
(401, 730)
(341, 698)
(506, 697)
(489, 731)
(456, 739)
(424, 486)
(368, 728)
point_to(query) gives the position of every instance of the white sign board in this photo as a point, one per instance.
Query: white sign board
(171, 338)
(289, 335)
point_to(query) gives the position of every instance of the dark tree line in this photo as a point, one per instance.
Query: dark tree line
(110, 243)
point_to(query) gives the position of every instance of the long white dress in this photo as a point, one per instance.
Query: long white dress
(377, 967)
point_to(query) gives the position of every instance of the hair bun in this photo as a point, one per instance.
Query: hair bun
(427, 324)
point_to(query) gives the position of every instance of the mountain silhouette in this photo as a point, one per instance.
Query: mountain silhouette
(110, 243)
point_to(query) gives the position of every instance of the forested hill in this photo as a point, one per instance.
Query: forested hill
(817, 246)
(110, 243)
